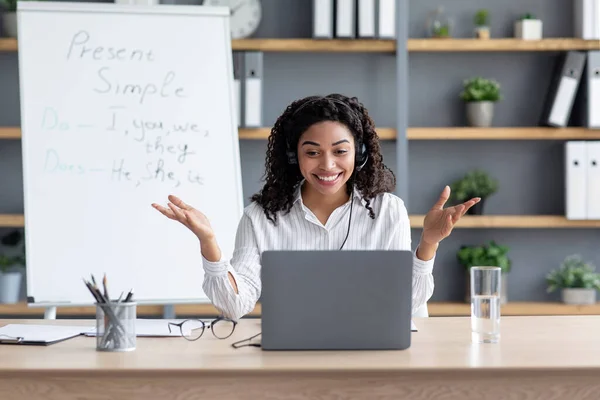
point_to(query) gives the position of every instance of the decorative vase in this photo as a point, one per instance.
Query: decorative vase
(528, 29)
(438, 24)
(503, 288)
(480, 113)
(10, 286)
(9, 22)
(578, 296)
(482, 32)
(477, 208)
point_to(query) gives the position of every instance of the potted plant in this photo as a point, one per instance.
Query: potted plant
(528, 27)
(476, 183)
(576, 279)
(11, 268)
(9, 17)
(482, 24)
(491, 255)
(480, 94)
(438, 24)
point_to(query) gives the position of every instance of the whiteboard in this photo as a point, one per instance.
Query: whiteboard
(121, 106)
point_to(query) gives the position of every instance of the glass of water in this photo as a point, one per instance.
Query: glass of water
(485, 304)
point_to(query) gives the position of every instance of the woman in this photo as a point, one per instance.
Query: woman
(326, 188)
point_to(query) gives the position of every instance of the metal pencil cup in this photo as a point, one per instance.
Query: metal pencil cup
(115, 326)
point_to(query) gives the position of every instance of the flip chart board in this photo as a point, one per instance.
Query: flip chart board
(120, 107)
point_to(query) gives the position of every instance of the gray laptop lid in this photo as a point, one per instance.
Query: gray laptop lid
(319, 300)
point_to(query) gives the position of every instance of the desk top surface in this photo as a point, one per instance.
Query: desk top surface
(442, 343)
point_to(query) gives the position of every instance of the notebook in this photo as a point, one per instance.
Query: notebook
(39, 334)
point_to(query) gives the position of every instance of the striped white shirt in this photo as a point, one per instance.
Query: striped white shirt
(301, 230)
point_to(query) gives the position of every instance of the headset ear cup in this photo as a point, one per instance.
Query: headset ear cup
(361, 160)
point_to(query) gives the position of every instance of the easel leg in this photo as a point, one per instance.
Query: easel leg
(169, 311)
(50, 313)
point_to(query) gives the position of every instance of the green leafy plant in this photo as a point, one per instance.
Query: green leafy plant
(481, 18)
(480, 89)
(492, 255)
(527, 16)
(476, 183)
(9, 5)
(12, 239)
(441, 31)
(573, 273)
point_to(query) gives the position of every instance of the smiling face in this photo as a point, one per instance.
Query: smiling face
(326, 157)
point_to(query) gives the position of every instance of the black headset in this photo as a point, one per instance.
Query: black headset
(361, 154)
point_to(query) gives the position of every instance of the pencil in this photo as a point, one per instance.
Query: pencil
(104, 283)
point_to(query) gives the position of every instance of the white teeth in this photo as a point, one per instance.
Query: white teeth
(328, 178)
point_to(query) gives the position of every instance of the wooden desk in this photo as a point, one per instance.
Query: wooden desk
(547, 357)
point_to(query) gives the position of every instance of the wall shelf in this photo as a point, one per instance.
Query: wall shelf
(416, 221)
(436, 309)
(441, 133)
(389, 46)
(501, 133)
(501, 44)
(513, 221)
(12, 220)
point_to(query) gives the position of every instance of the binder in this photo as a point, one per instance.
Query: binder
(576, 180)
(237, 84)
(323, 19)
(345, 18)
(366, 18)
(386, 19)
(563, 88)
(593, 179)
(592, 78)
(253, 88)
(584, 12)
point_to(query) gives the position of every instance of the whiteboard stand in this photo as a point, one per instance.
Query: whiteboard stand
(169, 311)
(50, 313)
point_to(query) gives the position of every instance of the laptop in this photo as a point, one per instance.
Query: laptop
(336, 300)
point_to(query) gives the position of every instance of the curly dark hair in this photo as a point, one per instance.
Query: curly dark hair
(282, 178)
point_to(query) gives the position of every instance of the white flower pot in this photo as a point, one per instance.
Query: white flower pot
(10, 286)
(528, 29)
(480, 113)
(578, 296)
(9, 23)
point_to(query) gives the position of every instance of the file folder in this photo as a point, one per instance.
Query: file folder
(323, 19)
(593, 180)
(253, 88)
(345, 18)
(366, 18)
(593, 89)
(237, 85)
(563, 87)
(386, 16)
(576, 180)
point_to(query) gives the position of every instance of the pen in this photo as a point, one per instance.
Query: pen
(104, 283)
(129, 295)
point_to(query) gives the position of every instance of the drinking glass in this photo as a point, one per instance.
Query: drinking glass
(485, 304)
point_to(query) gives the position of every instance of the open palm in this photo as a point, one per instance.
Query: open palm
(193, 219)
(440, 221)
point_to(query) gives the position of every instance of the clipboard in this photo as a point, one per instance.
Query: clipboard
(39, 335)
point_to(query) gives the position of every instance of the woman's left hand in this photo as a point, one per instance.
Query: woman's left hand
(439, 221)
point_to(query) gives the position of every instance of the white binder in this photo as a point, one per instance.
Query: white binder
(386, 16)
(253, 88)
(584, 12)
(593, 89)
(323, 19)
(593, 180)
(366, 18)
(345, 18)
(576, 180)
(563, 88)
(238, 73)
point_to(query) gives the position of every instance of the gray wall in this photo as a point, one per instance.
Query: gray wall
(530, 172)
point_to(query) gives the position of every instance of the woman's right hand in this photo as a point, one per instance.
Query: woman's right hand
(193, 219)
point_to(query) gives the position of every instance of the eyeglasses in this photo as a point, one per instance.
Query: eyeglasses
(192, 329)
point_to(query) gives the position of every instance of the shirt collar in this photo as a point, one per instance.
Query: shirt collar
(298, 195)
